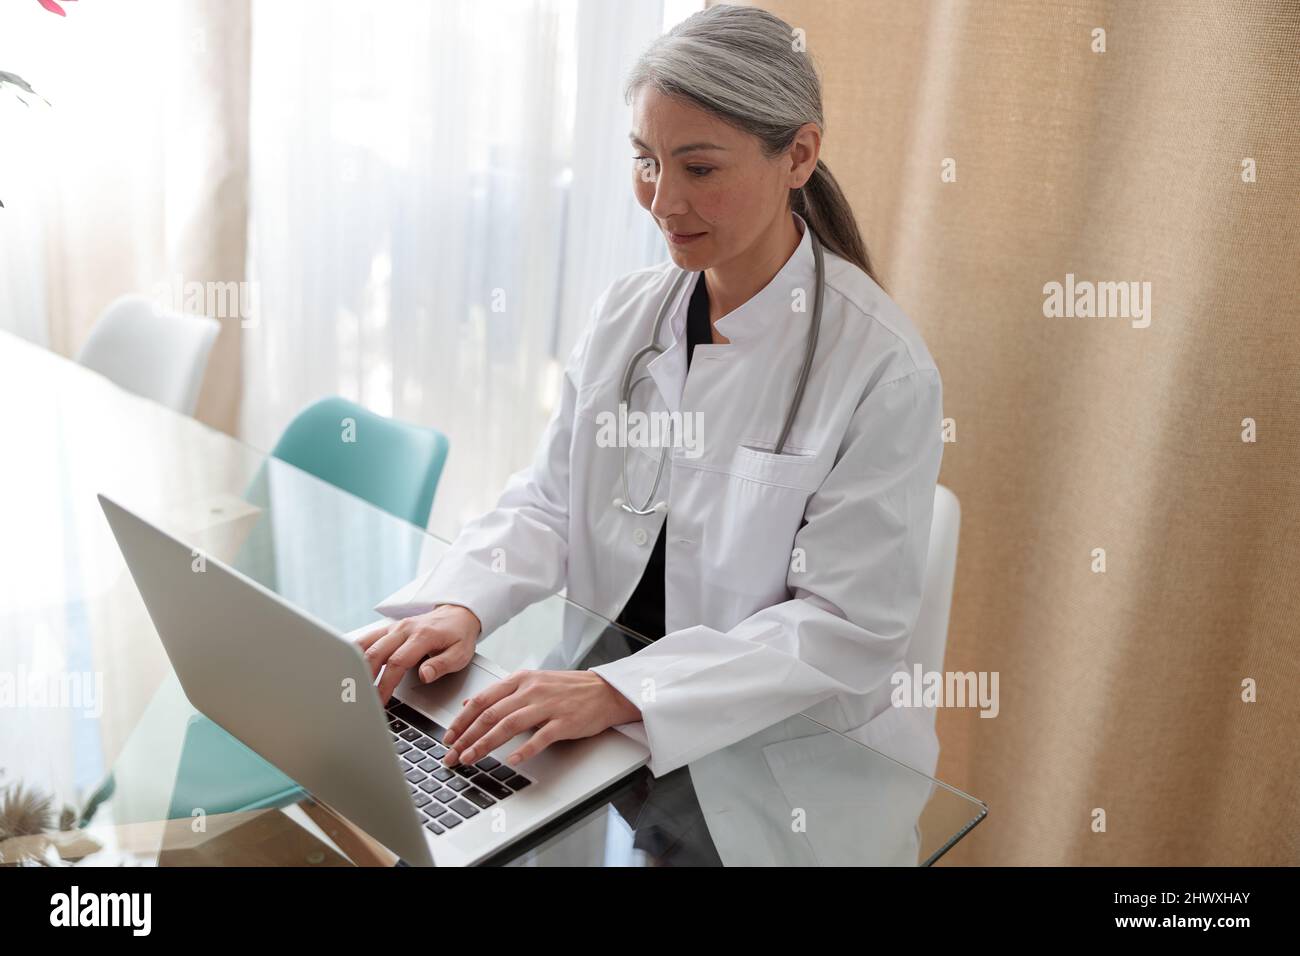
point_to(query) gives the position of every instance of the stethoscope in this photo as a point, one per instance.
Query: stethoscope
(625, 394)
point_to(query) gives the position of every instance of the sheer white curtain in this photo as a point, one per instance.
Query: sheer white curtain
(439, 192)
(135, 176)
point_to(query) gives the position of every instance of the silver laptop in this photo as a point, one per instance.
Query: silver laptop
(300, 694)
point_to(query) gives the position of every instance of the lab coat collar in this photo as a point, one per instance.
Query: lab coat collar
(772, 305)
(767, 311)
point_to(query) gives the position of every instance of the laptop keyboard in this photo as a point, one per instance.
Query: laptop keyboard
(445, 797)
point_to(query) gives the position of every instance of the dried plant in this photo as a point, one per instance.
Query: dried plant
(26, 812)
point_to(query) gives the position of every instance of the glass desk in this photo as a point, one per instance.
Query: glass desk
(96, 736)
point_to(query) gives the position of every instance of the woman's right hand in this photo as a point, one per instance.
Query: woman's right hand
(446, 636)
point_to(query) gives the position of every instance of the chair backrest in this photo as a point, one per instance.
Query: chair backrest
(391, 464)
(158, 354)
(930, 636)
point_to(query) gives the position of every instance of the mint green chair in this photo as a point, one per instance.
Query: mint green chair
(393, 465)
(218, 774)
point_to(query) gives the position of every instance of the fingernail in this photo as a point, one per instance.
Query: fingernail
(448, 737)
(514, 758)
(468, 756)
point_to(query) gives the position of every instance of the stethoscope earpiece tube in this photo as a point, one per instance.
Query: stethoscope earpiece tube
(812, 342)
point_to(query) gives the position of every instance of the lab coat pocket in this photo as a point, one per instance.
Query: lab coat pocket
(752, 503)
(795, 467)
(858, 808)
(746, 528)
(904, 733)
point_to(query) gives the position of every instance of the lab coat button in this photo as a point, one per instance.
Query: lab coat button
(639, 536)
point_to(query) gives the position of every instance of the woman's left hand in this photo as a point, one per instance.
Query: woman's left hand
(562, 705)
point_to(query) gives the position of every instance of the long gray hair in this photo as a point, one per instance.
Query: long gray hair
(741, 65)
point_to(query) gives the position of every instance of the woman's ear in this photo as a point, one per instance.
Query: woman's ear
(804, 150)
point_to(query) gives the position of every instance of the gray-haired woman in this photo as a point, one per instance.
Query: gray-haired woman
(777, 565)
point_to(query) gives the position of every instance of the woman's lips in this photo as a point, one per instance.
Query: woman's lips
(684, 238)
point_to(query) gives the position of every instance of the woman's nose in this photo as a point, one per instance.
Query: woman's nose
(668, 201)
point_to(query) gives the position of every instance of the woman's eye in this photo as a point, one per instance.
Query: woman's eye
(699, 170)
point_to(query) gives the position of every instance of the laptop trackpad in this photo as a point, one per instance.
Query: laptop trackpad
(441, 700)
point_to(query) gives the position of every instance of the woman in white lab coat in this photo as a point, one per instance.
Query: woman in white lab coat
(791, 581)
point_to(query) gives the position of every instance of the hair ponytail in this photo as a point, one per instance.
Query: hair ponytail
(823, 205)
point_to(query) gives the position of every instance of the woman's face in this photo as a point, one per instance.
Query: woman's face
(709, 186)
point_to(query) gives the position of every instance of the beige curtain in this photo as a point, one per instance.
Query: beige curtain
(1120, 691)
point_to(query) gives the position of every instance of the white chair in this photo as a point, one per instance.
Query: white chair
(154, 353)
(930, 636)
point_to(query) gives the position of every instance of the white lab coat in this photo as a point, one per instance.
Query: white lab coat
(793, 581)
